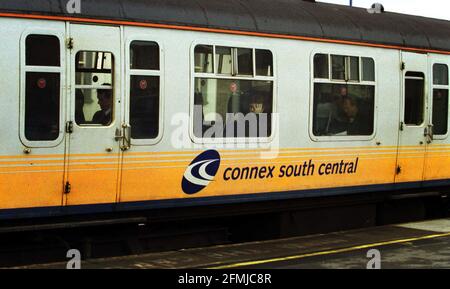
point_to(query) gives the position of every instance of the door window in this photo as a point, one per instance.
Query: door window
(42, 88)
(94, 83)
(144, 78)
(414, 98)
(440, 99)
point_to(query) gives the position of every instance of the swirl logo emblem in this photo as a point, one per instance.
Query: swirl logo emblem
(201, 172)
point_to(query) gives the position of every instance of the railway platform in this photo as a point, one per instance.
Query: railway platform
(413, 245)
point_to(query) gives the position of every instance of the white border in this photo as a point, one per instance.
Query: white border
(129, 72)
(329, 52)
(193, 75)
(438, 60)
(45, 69)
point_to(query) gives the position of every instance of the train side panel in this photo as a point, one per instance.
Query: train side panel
(374, 157)
(300, 164)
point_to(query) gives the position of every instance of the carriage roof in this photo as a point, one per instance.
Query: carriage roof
(281, 17)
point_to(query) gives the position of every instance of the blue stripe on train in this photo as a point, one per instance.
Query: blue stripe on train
(176, 203)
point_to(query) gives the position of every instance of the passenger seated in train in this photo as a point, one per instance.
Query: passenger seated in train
(104, 116)
(330, 116)
(238, 102)
(358, 119)
(256, 111)
(261, 107)
(343, 113)
(338, 119)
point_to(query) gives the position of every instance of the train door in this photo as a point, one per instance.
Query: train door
(414, 123)
(437, 157)
(95, 113)
(142, 168)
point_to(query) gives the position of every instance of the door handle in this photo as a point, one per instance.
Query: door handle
(127, 135)
(123, 135)
(429, 133)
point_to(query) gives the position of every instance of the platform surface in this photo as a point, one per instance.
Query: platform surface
(413, 245)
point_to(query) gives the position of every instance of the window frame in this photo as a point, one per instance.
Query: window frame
(425, 108)
(439, 86)
(215, 75)
(24, 69)
(330, 80)
(143, 72)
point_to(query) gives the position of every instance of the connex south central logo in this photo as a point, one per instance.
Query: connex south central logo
(201, 172)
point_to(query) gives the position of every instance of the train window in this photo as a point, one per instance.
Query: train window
(42, 50)
(414, 98)
(264, 62)
(232, 108)
(338, 67)
(440, 99)
(144, 55)
(345, 68)
(94, 97)
(245, 61)
(352, 68)
(440, 111)
(440, 74)
(368, 69)
(93, 67)
(42, 103)
(144, 106)
(238, 101)
(145, 90)
(223, 60)
(204, 61)
(42, 90)
(321, 66)
(343, 110)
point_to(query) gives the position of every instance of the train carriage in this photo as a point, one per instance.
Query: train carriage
(113, 105)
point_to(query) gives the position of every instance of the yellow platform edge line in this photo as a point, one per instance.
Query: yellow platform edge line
(330, 252)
